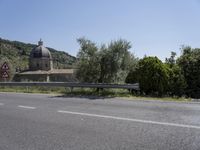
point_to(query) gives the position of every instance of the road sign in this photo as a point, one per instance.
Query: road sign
(4, 74)
(4, 66)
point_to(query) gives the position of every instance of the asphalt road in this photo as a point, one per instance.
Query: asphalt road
(45, 122)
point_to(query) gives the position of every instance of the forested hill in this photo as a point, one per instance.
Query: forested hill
(18, 54)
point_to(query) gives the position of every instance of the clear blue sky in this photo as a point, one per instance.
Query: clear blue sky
(154, 27)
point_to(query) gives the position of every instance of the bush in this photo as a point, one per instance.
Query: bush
(152, 76)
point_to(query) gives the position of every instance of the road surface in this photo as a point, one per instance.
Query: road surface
(46, 122)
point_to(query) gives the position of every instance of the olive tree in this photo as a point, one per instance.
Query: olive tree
(105, 64)
(88, 61)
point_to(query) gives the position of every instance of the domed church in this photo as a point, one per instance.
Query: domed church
(41, 68)
(40, 58)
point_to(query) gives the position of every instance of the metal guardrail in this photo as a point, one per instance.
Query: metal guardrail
(73, 85)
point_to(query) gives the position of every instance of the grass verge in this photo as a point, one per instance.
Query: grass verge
(81, 92)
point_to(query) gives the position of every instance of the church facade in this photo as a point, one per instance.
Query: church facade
(41, 68)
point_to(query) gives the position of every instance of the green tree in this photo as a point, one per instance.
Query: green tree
(189, 62)
(132, 77)
(107, 64)
(153, 76)
(171, 61)
(176, 82)
(115, 61)
(88, 61)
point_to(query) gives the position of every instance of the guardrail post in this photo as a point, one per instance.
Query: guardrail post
(27, 89)
(71, 89)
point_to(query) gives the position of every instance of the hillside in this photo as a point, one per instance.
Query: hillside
(18, 54)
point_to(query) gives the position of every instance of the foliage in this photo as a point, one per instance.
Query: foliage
(62, 60)
(10, 70)
(171, 61)
(107, 64)
(132, 77)
(88, 61)
(189, 62)
(115, 61)
(158, 78)
(176, 82)
(18, 55)
(152, 76)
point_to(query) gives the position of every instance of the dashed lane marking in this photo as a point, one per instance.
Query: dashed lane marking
(26, 107)
(1, 104)
(131, 120)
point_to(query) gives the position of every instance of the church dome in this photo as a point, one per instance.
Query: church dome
(40, 51)
(40, 58)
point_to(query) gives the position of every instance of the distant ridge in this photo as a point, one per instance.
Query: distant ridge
(18, 54)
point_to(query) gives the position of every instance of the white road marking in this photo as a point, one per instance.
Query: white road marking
(1, 104)
(131, 119)
(27, 107)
